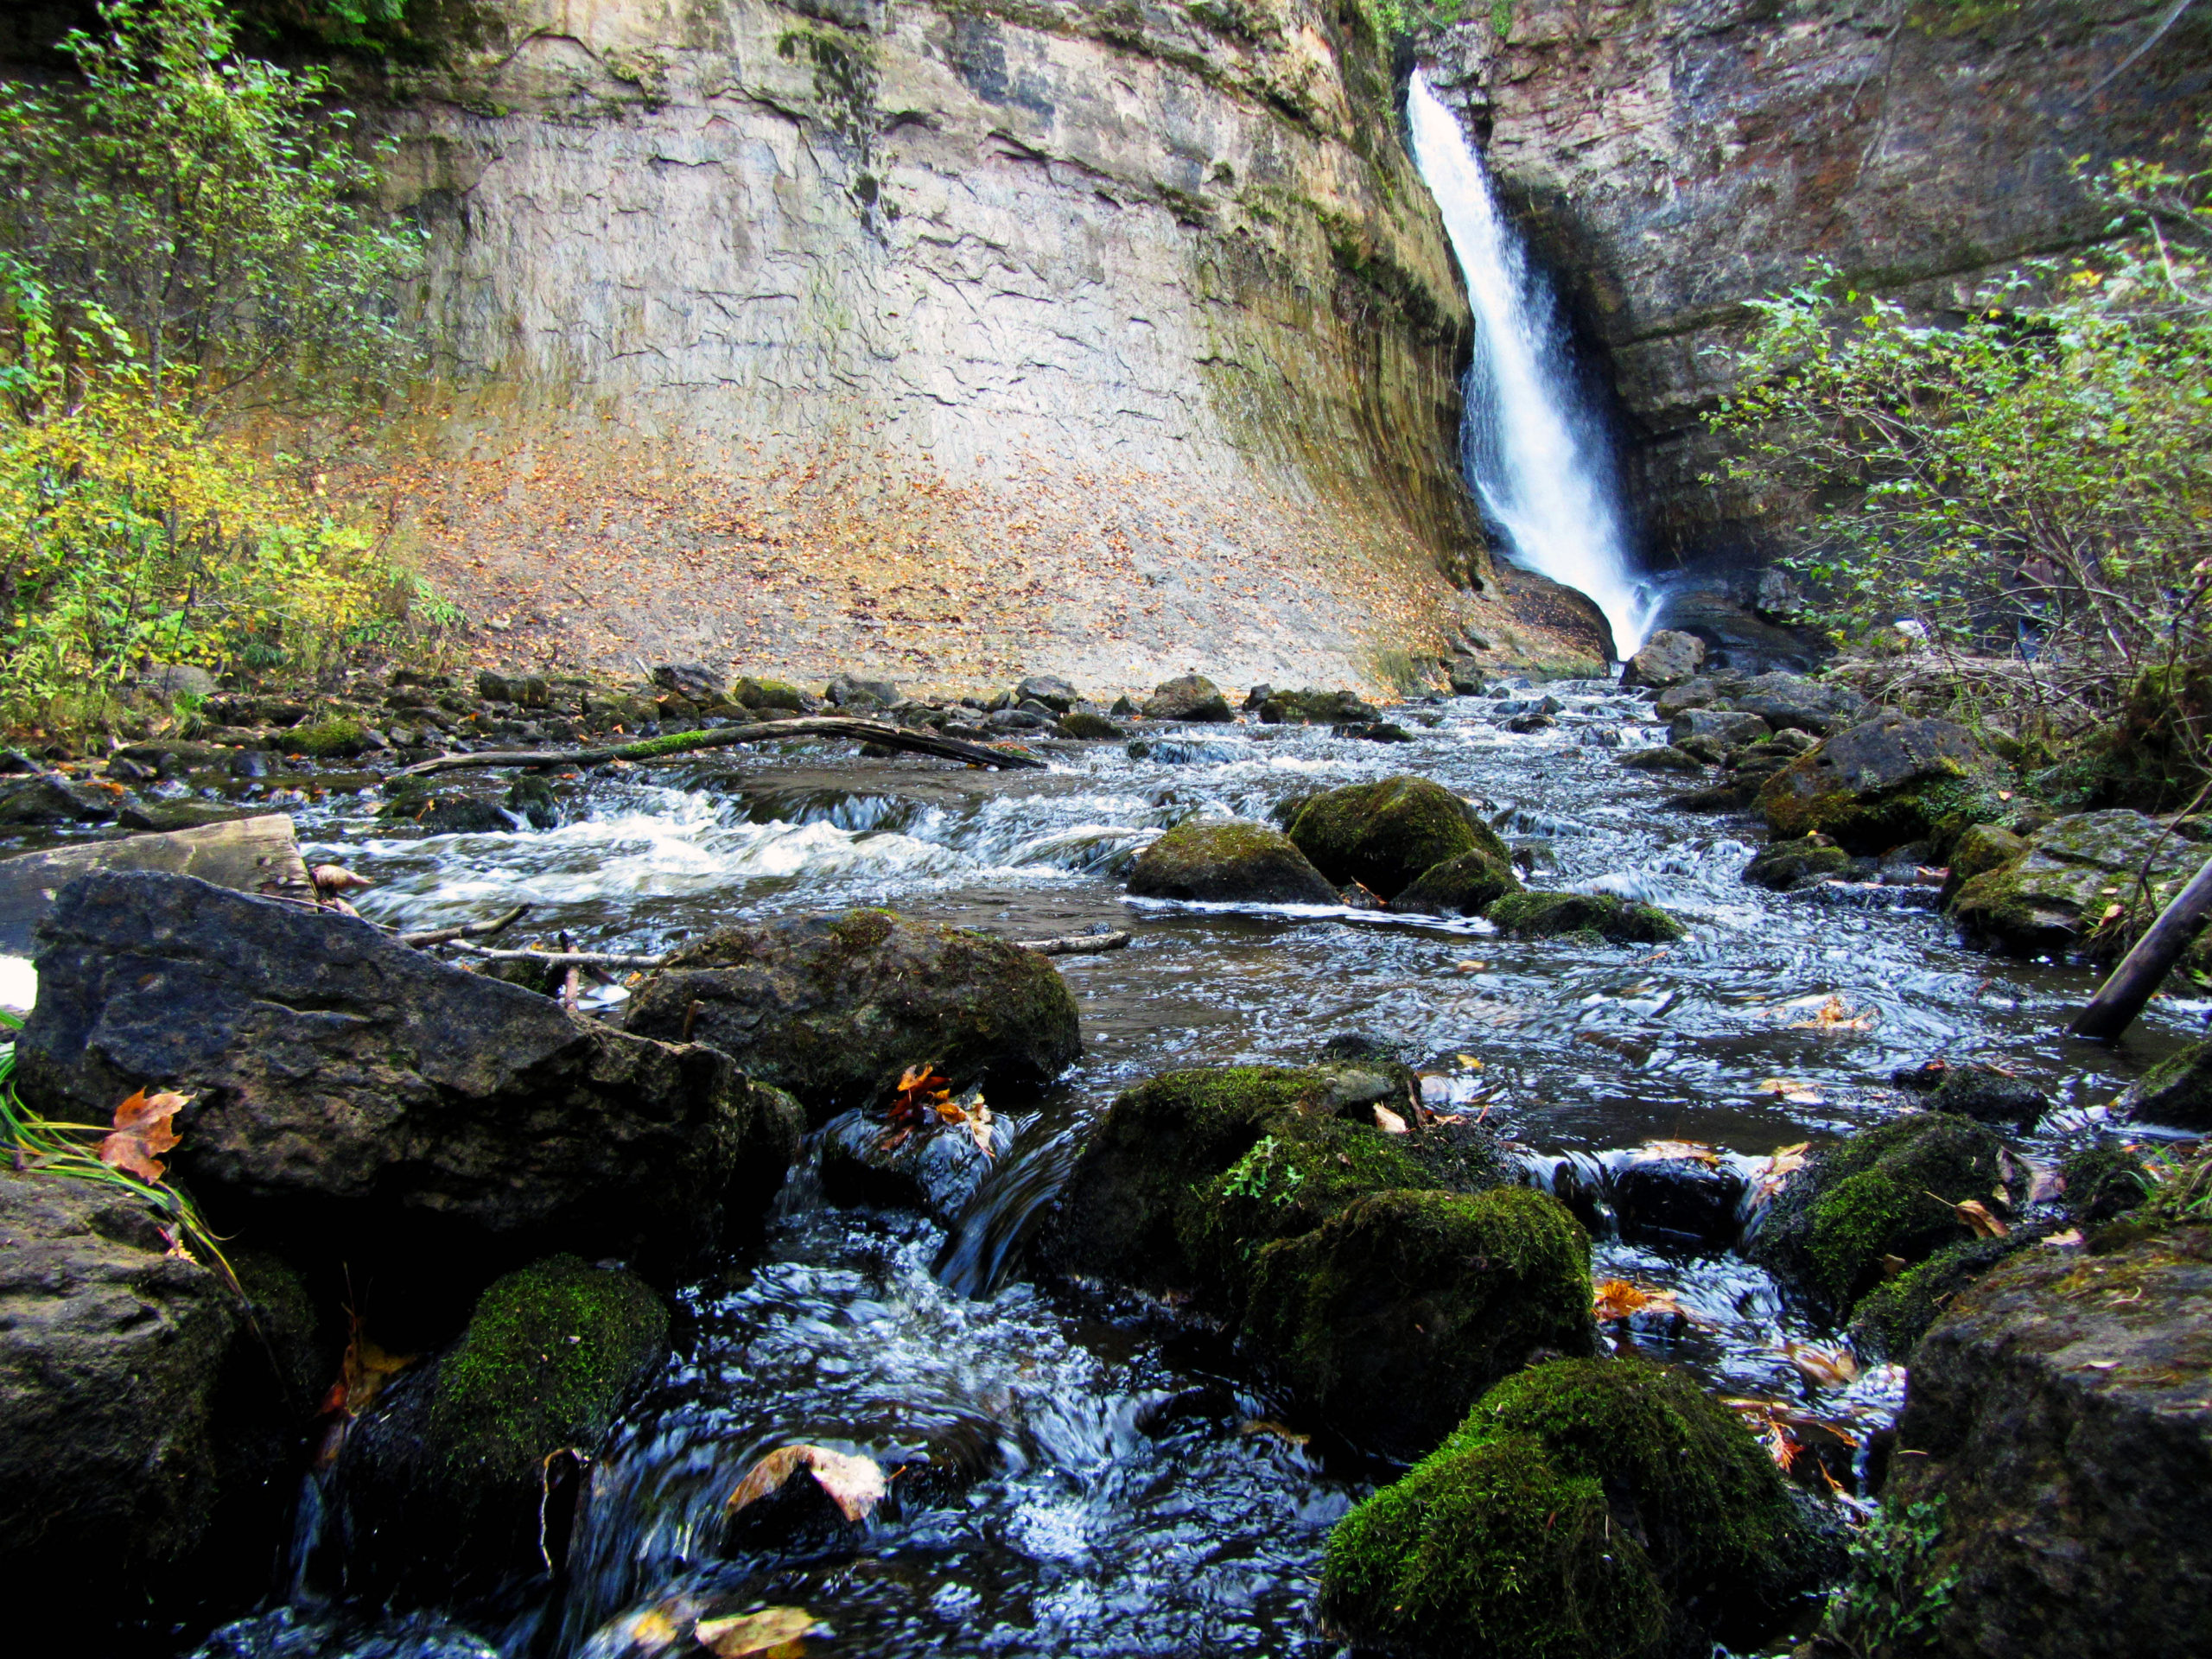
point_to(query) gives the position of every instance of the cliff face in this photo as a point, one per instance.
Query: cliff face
(1671, 159)
(936, 339)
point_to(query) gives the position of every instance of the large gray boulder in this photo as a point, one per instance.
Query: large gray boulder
(1790, 702)
(111, 1348)
(834, 1007)
(2052, 896)
(1189, 697)
(250, 854)
(1668, 657)
(2061, 1411)
(1885, 782)
(356, 1098)
(1227, 861)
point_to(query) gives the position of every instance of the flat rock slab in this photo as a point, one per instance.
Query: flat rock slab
(354, 1098)
(2062, 1410)
(249, 855)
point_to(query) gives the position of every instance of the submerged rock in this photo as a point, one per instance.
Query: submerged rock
(2059, 1412)
(1885, 1196)
(1384, 835)
(1547, 915)
(446, 1484)
(1192, 697)
(834, 1007)
(1228, 862)
(356, 1098)
(1587, 1507)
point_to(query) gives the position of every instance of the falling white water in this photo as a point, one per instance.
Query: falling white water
(1536, 455)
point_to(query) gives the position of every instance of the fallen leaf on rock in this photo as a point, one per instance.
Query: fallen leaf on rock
(1836, 1014)
(1654, 1151)
(142, 1133)
(1893, 1265)
(1824, 1367)
(1973, 1213)
(855, 1484)
(2069, 1240)
(1618, 1298)
(776, 1631)
(1468, 1060)
(1388, 1121)
(1268, 1426)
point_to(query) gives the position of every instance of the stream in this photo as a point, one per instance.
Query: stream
(1131, 1492)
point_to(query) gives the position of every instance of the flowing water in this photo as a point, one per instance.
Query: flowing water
(1123, 1488)
(1534, 450)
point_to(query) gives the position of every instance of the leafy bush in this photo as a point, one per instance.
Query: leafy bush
(2025, 491)
(1890, 1605)
(182, 246)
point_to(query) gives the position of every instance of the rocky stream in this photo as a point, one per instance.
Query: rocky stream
(1080, 1462)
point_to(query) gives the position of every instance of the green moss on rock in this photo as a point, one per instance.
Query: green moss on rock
(1547, 915)
(760, 695)
(1228, 862)
(546, 1362)
(1385, 835)
(1886, 1192)
(327, 738)
(1465, 886)
(2177, 1090)
(1893, 1318)
(1399, 1310)
(1885, 782)
(1586, 1508)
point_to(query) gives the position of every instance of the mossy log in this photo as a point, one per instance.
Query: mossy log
(673, 743)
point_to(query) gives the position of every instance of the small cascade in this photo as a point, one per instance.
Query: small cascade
(1536, 455)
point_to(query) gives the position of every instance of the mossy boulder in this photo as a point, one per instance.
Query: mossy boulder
(1548, 915)
(1088, 726)
(1385, 835)
(768, 695)
(1784, 866)
(2176, 1091)
(1393, 1315)
(1586, 1508)
(2074, 889)
(1883, 1196)
(834, 1008)
(1190, 696)
(1885, 782)
(444, 1480)
(1466, 886)
(327, 738)
(2102, 1182)
(1893, 1317)
(1228, 862)
(1314, 707)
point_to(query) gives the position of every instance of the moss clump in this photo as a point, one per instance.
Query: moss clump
(768, 693)
(1985, 847)
(1232, 862)
(2177, 1090)
(1887, 1192)
(1465, 886)
(1546, 915)
(1586, 1508)
(2103, 1182)
(1384, 835)
(1894, 1317)
(1402, 1306)
(327, 738)
(547, 1358)
(1787, 864)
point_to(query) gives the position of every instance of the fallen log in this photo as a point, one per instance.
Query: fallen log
(1075, 945)
(676, 743)
(2122, 995)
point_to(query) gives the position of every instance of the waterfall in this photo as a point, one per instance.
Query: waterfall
(1535, 454)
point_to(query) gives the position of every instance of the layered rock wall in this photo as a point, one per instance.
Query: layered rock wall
(935, 339)
(1673, 159)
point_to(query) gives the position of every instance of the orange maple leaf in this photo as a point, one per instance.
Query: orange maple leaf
(142, 1133)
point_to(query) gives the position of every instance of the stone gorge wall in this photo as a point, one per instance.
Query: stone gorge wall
(936, 339)
(1671, 159)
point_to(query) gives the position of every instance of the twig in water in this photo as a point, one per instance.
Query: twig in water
(467, 931)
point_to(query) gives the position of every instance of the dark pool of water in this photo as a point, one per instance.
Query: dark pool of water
(1132, 1495)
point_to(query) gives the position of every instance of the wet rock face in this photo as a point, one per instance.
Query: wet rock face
(1228, 863)
(1679, 158)
(111, 1350)
(356, 1096)
(802, 207)
(2060, 1410)
(1884, 783)
(2050, 894)
(834, 1007)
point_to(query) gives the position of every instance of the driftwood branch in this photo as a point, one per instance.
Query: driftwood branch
(2121, 997)
(676, 743)
(561, 958)
(1075, 944)
(467, 931)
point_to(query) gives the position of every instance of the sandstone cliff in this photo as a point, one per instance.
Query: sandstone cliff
(936, 339)
(1671, 159)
